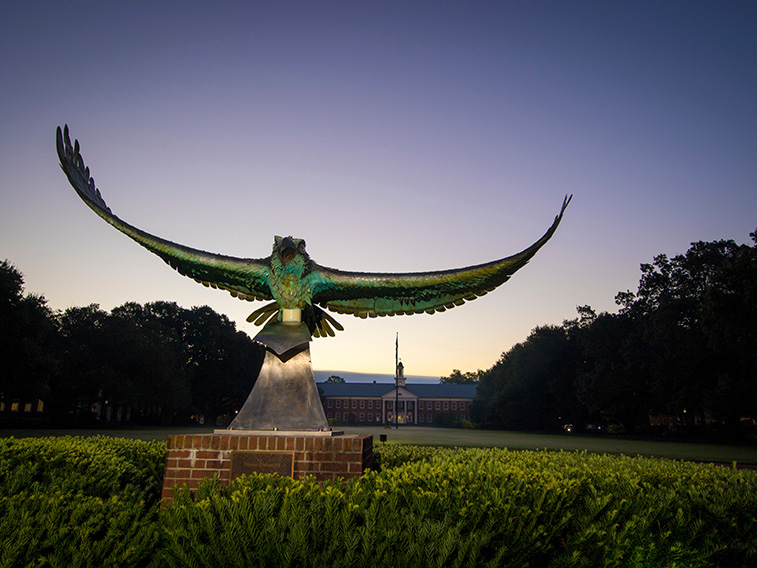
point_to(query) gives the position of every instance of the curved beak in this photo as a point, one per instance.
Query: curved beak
(287, 250)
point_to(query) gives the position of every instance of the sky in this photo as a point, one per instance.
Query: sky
(392, 136)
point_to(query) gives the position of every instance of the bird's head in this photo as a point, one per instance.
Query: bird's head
(289, 249)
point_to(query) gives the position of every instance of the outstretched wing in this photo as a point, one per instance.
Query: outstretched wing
(378, 294)
(242, 277)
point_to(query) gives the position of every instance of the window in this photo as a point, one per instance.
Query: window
(446, 405)
(354, 404)
(329, 415)
(338, 403)
(438, 405)
(336, 416)
(328, 403)
(370, 404)
(420, 405)
(428, 418)
(454, 405)
(370, 417)
(420, 418)
(462, 406)
(362, 404)
(362, 417)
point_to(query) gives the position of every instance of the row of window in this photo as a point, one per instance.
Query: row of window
(363, 416)
(429, 405)
(39, 406)
(376, 417)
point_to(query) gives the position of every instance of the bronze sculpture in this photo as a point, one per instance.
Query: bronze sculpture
(301, 291)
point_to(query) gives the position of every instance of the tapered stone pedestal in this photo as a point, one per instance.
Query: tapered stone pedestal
(285, 396)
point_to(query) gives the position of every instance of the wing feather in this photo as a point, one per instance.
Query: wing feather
(384, 294)
(244, 278)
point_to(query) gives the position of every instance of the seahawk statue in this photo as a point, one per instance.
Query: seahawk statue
(300, 290)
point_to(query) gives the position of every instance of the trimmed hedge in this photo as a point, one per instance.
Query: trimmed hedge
(93, 502)
(79, 501)
(476, 507)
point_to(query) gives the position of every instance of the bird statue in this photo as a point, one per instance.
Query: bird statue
(297, 285)
(300, 292)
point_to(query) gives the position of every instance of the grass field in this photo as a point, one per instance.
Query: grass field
(742, 454)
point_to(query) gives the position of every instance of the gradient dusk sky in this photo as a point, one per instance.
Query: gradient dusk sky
(392, 136)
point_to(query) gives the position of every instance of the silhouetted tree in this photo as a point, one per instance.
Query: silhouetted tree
(458, 378)
(610, 379)
(27, 339)
(695, 313)
(532, 385)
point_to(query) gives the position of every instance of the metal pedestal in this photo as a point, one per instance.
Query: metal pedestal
(285, 396)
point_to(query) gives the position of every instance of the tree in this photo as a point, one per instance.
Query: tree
(150, 360)
(224, 362)
(458, 378)
(219, 364)
(84, 349)
(28, 335)
(532, 385)
(695, 313)
(335, 379)
(728, 321)
(610, 380)
(159, 359)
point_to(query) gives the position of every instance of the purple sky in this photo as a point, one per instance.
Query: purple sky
(392, 136)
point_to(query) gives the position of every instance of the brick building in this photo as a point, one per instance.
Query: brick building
(417, 404)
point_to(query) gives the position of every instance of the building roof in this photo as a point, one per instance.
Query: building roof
(442, 391)
(381, 389)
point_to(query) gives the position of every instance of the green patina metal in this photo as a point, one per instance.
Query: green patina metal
(284, 396)
(288, 278)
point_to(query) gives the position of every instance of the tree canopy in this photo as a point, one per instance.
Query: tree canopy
(160, 361)
(27, 335)
(458, 378)
(683, 345)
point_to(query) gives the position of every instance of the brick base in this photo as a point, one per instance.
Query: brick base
(194, 457)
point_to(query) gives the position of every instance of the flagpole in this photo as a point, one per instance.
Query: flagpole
(396, 378)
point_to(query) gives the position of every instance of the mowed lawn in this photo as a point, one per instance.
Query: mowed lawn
(710, 452)
(745, 454)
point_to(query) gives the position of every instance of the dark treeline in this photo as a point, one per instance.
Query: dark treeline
(680, 353)
(157, 363)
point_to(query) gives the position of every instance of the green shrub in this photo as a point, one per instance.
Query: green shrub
(79, 501)
(56, 528)
(96, 466)
(93, 502)
(475, 507)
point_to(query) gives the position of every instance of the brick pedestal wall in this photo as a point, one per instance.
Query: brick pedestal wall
(194, 457)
